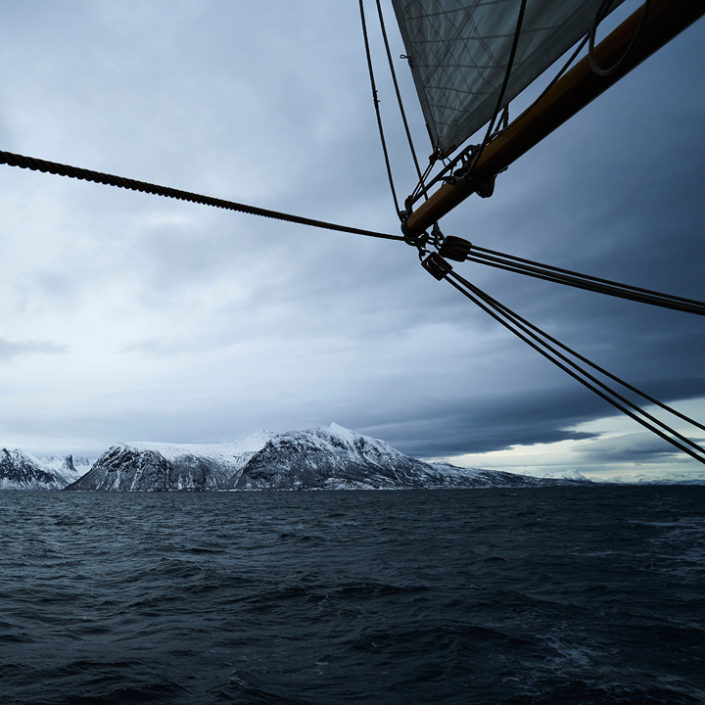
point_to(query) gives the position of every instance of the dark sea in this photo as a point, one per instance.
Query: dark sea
(539, 595)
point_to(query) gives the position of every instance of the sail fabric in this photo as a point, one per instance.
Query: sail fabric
(459, 50)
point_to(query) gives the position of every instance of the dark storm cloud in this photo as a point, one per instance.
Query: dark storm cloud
(603, 206)
(229, 322)
(520, 418)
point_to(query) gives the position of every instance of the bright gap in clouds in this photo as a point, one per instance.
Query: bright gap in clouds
(617, 450)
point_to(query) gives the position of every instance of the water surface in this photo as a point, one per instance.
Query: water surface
(537, 595)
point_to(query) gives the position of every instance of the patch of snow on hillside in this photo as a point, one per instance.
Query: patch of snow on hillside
(351, 438)
(573, 474)
(235, 453)
(344, 434)
(77, 467)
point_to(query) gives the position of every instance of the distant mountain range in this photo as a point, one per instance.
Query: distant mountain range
(332, 458)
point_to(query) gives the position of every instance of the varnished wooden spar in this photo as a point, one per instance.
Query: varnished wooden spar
(569, 95)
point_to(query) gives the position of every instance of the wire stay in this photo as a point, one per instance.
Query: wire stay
(588, 282)
(570, 361)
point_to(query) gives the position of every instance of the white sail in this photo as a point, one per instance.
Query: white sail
(459, 50)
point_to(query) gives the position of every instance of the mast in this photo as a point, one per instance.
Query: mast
(569, 95)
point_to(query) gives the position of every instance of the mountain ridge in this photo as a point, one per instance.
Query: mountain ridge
(325, 458)
(321, 459)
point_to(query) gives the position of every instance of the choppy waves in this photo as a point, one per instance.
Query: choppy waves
(542, 595)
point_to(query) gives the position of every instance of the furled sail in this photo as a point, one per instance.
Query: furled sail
(459, 50)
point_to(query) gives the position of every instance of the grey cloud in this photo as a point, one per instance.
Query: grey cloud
(602, 195)
(502, 420)
(10, 349)
(631, 447)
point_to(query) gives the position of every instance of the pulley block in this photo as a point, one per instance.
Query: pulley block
(455, 248)
(436, 265)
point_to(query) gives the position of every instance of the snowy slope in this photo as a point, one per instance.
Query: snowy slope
(488, 478)
(21, 471)
(69, 467)
(335, 458)
(155, 467)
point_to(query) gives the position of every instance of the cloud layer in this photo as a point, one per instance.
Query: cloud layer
(130, 317)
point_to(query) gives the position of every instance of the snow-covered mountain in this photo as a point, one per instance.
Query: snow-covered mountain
(325, 458)
(155, 467)
(21, 471)
(336, 458)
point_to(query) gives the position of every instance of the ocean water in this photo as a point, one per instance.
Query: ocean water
(543, 595)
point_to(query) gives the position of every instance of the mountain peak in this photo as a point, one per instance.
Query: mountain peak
(344, 434)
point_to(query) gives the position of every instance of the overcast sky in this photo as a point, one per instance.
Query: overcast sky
(128, 317)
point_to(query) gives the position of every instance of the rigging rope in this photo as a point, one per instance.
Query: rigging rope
(556, 78)
(481, 255)
(588, 282)
(375, 100)
(547, 346)
(539, 332)
(602, 12)
(73, 172)
(399, 100)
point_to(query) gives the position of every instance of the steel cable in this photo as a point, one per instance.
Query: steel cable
(532, 335)
(584, 359)
(587, 282)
